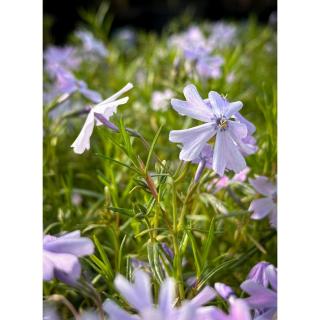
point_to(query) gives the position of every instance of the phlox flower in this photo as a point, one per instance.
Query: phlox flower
(56, 58)
(218, 115)
(224, 291)
(106, 108)
(138, 295)
(262, 293)
(209, 66)
(160, 100)
(222, 35)
(60, 256)
(267, 205)
(91, 45)
(67, 83)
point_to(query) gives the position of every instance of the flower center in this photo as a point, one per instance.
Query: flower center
(222, 123)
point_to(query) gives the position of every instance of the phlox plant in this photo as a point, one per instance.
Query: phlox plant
(157, 220)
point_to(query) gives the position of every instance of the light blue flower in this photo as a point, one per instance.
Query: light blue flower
(219, 117)
(138, 295)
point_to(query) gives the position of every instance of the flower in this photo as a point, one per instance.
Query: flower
(68, 84)
(204, 160)
(216, 113)
(262, 298)
(138, 295)
(264, 206)
(56, 58)
(209, 66)
(90, 44)
(160, 100)
(60, 256)
(50, 311)
(222, 35)
(238, 310)
(107, 108)
(258, 273)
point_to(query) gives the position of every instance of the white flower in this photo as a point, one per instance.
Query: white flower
(107, 108)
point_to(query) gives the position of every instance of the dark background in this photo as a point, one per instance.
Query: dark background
(62, 16)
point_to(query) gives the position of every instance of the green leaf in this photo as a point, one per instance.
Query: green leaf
(152, 148)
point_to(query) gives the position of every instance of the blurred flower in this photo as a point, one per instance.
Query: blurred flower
(264, 206)
(91, 45)
(50, 312)
(76, 199)
(223, 182)
(210, 67)
(238, 310)
(138, 295)
(68, 84)
(60, 256)
(167, 250)
(216, 114)
(126, 37)
(56, 58)
(160, 100)
(222, 35)
(106, 108)
(262, 298)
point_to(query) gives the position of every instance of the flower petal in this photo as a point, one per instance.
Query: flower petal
(82, 142)
(123, 90)
(273, 217)
(268, 315)
(193, 97)
(232, 108)
(92, 95)
(185, 108)
(235, 160)
(271, 273)
(143, 288)
(47, 268)
(167, 296)
(115, 312)
(261, 208)
(76, 246)
(260, 297)
(263, 185)
(203, 297)
(250, 126)
(193, 140)
(218, 103)
(239, 310)
(219, 160)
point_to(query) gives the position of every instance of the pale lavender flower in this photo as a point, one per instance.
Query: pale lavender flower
(67, 83)
(161, 99)
(138, 295)
(91, 45)
(263, 296)
(107, 108)
(60, 256)
(222, 35)
(238, 310)
(264, 206)
(216, 113)
(56, 58)
(209, 66)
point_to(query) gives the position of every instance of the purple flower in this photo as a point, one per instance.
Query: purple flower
(138, 295)
(216, 113)
(222, 35)
(258, 273)
(204, 160)
(209, 66)
(264, 206)
(238, 310)
(160, 100)
(60, 256)
(90, 44)
(262, 298)
(107, 108)
(56, 58)
(67, 83)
